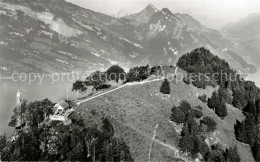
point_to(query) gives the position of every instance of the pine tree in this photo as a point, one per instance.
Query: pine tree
(256, 150)
(221, 110)
(165, 88)
(231, 155)
(213, 102)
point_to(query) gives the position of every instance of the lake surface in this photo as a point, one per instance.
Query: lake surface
(31, 92)
(255, 77)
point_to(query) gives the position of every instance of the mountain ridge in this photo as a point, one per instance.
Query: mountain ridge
(65, 37)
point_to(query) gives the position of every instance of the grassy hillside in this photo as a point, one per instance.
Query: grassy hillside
(136, 110)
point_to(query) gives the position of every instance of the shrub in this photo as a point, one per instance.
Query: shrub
(203, 98)
(186, 80)
(198, 107)
(196, 113)
(210, 123)
(156, 70)
(102, 86)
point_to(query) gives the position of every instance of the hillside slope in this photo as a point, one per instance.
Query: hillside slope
(246, 33)
(136, 110)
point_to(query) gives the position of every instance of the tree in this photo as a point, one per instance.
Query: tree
(251, 108)
(246, 131)
(138, 73)
(239, 100)
(3, 143)
(165, 87)
(79, 87)
(232, 155)
(225, 95)
(221, 110)
(256, 150)
(58, 142)
(213, 102)
(219, 106)
(133, 75)
(95, 79)
(178, 115)
(116, 73)
(217, 153)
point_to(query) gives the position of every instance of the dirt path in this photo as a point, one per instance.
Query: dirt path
(151, 145)
(127, 84)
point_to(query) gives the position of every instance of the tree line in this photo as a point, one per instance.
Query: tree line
(43, 140)
(233, 90)
(194, 134)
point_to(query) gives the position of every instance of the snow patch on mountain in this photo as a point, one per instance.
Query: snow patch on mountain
(60, 27)
(154, 29)
(62, 61)
(135, 44)
(3, 43)
(28, 30)
(112, 61)
(17, 34)
(96, 54)
(65, 53)
(104, 52)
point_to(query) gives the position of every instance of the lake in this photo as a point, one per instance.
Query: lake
(31, 92)
(255, 77)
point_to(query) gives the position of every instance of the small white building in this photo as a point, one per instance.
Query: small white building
(61, 107)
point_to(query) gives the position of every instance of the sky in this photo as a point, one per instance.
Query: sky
(212, 13)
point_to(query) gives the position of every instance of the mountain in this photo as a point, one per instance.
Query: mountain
(49, 36)
(54, 36)
(143, 16)
(246, 33)
(171, 35)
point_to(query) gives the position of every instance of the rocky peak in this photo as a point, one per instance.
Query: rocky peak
(166, 11)
(151, 8)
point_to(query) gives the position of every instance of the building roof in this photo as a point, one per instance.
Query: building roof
(63, 104)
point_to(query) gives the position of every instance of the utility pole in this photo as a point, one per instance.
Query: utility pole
(67, 93)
